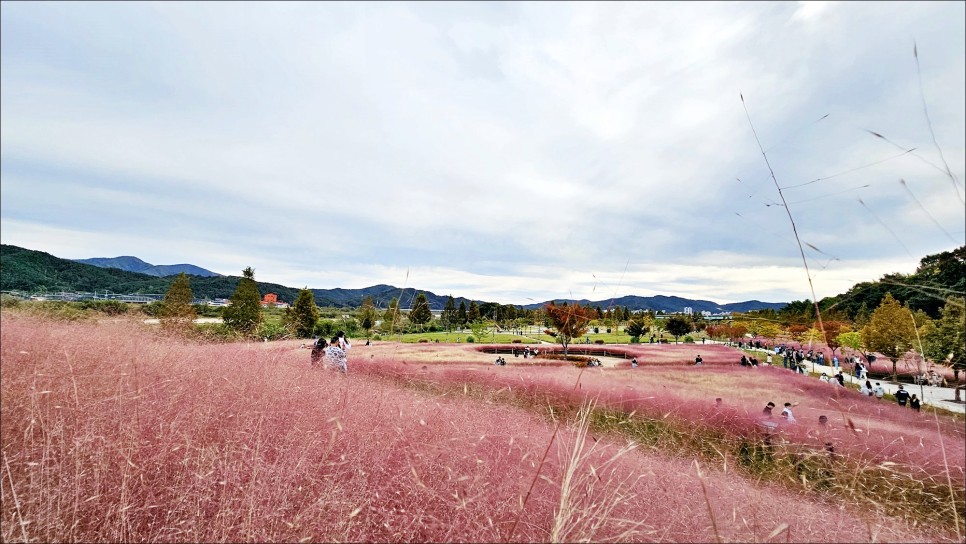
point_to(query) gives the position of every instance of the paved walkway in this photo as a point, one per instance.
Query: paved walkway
(940, 397)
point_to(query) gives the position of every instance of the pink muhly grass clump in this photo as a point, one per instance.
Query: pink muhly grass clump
(111, 433)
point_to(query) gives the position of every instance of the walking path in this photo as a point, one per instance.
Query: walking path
(940, 397)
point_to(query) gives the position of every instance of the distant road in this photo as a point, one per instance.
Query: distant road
(199, 320)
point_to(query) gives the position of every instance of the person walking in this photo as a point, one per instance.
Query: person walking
(878, 391)
(902, 396)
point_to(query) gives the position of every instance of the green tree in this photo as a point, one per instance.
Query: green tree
(636, 328)
(852, 340)
(302, 316)
(245, 312)
(862, 316)
(473, 314)
(448, 317)
(391, 318)
(890, 331)
(420, 313)
(367, 316)
(461, 317)
(570, 321)
(678, 325)
(946, 344)
(479, 329)
(177, 312)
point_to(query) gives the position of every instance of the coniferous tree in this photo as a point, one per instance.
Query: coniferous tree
(420, 313)
(473, 315)
(245, 312)
(946, 344)
(303, 314)
(367, 316)
(448, 317)
(177, 311)
(461, 316)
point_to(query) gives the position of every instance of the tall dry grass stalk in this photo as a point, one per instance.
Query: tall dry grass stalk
(591, 494)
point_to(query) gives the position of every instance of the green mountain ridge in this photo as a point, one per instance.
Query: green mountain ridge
(937, 277)
(133, 264)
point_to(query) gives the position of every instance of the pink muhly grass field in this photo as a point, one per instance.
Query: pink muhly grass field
(112, 433)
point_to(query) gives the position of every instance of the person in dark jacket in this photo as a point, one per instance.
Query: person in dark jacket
(902, 396)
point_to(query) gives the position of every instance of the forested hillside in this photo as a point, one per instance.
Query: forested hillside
(27, 270)
(938, 276)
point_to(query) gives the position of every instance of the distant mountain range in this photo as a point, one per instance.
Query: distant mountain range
(674, 304)
(28, 270)
(133, 264)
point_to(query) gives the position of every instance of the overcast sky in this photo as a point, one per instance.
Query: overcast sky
(509, 152)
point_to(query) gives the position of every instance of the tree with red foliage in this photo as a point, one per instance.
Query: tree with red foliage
(797, 331)
(832, 331)
(570, 321)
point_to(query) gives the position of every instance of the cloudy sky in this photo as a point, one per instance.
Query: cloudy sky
(510, 152)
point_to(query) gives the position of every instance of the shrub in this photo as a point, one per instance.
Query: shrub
(109, 307)
(152, 309)
(635, 340)
(577, 360)
(377, 337)
(517, 341)
(470, 339)
(272, 331)
(689, 339)
(215, 332)
(424, 340)
(59, 310)
(599, 342)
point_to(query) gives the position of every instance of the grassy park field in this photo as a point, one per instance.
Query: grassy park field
(113, 431)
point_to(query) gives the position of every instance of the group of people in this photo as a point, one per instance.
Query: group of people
(526, 351)
(838, 378)
(748, 361)
(903, 398)
(786, 414)
(332, 355)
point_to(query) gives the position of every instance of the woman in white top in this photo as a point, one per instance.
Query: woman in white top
(336, 353)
